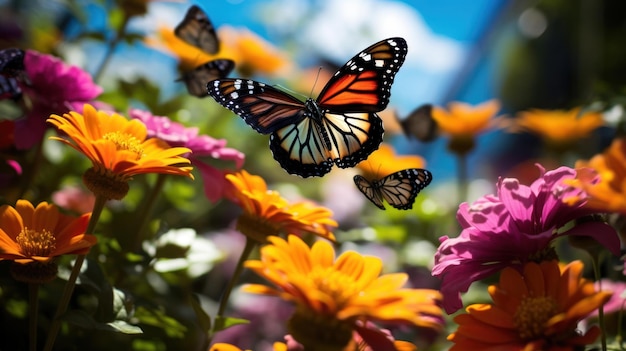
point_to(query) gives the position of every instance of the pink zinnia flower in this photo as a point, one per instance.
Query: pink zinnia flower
(513, 227)
(54, 88)
(202, 147)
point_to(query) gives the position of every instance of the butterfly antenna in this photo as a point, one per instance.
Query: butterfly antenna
(317, 77)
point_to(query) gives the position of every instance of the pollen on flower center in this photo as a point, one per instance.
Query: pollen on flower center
(36, 243)
(532, 315)
(125, 141)
(337, 285)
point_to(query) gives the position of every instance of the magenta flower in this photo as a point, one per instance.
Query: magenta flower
(514, 227)
(202, 147)
(54, 87)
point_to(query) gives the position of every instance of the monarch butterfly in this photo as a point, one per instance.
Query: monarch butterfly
(340, 127)
(196, 29)
(399, 189)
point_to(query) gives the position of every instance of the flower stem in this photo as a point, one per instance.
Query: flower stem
(462, 177)
(119, 34)
(595, 259)
(71, 282)
(250, 245)
(33, 306)
(146, 211)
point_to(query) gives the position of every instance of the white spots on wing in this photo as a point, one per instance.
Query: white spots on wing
(234, 95)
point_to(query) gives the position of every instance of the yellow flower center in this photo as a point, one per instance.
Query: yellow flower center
(532, 315)
(36, 243)
(337, 285)
(125, 141)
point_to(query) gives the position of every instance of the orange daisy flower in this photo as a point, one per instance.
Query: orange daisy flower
(463, 122)
(603, 179)
(558, 127)
(118, 149)
(537, 309)
(278, 346)
(384, 161)
(33, 236)
(334, 297)
(267, 213)
(250, 52)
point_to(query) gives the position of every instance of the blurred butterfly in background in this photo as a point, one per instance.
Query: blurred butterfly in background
(420, 124)
(196, 29)
(340, 127)
(399, 189)
(12, 70)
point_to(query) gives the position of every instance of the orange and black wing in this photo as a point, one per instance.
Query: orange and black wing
(264, 108)
(363, 84)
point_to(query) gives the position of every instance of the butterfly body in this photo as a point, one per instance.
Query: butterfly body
(340, 127)
(399, 189)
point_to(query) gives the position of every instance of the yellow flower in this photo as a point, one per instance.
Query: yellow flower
(334, 295)
(118, 150)
(32, 236)
(608, 194)
(558, 127)
(538, 309)
(250, 52)
(384, 161)
(266, 213)
(463, 122)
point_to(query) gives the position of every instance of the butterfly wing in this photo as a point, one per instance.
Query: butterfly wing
(12, 71)
(264, 108)
(401, 188)
(9, 88)
(12, 62)
(195, 80)
(420, 124)
(310, 149)
(370, 191)
(363, 84)
(196, 29)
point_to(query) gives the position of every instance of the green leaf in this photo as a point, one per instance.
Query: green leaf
(204, 320)
(159, 319)
(125, 328)
(222, 323)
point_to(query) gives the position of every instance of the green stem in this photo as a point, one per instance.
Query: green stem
(146, 211)
(250, 245)
(462, 177)
(596, 272)
(33, 306)
(111, 48)
(71, 282)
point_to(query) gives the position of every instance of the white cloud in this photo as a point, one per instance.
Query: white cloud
(339, 29)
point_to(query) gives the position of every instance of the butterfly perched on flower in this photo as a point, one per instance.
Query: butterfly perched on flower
(399, 189)
(196, 29)
(339, 127)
